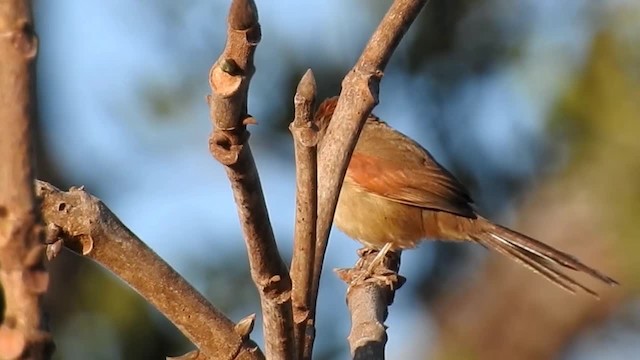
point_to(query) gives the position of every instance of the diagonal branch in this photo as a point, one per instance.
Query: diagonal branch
(89, 228)
(23, 277)
(359, 96)
(305, 136)
(229, 79)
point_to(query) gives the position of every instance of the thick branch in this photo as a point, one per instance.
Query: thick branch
(359, 96)
(89, 228)
(368, 301)
(305, 136)
(229, 79)
(22, 274)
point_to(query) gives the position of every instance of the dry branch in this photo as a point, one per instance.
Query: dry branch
(368, 301)
(359, 96)
(22, 274)
(305, 136)
(89, 228)
(229, 79)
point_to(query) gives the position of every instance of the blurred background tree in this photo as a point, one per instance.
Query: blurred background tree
(532, 104)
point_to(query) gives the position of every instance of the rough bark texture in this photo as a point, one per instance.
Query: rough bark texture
(368, 302)
(88, 227)
(305, 136)
(229, 79)
(359, 95)
(22, 274)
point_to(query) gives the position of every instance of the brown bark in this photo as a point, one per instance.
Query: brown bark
(229, 79)
(358, 97)
(305, 137)
(88, 227)
(368, 301)
(22, 274)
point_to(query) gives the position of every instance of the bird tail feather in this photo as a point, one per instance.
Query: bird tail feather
(538, 257)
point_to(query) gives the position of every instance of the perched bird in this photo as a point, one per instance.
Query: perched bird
(395, 194)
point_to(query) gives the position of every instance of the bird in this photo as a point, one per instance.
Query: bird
(395, 195)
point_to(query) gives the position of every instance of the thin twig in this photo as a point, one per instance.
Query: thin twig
(305, 136)
(368, 301)
(89, 228)
(359, 95)
(23, 277)
(229, 79)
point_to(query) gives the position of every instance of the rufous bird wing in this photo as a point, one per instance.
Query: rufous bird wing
(426, 185)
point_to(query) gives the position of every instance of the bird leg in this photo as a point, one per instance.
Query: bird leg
(378, 259)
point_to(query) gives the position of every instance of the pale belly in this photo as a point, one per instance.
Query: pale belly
(375, 221)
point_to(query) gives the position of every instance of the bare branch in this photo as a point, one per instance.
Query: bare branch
(229, 79)
(359, 96)
(305, 136)
(22, 273)
(368, 301)
(89, 228)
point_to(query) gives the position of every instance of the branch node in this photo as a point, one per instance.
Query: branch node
(226, 145)
(253, 35)
(24, 39)
(230, 67)
(225, 79)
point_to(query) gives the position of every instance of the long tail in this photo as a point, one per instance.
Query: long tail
(537, 256)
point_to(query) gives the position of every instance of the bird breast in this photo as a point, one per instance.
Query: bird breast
(374, 221)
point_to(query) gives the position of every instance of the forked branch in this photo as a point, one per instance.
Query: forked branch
(358, 97)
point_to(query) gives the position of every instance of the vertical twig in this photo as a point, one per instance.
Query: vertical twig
(305, 136)
(22, 274)
(368, 303)
(359, 96)
(229, 79)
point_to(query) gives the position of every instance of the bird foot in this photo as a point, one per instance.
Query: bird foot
(374, 266)
(378, 275)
